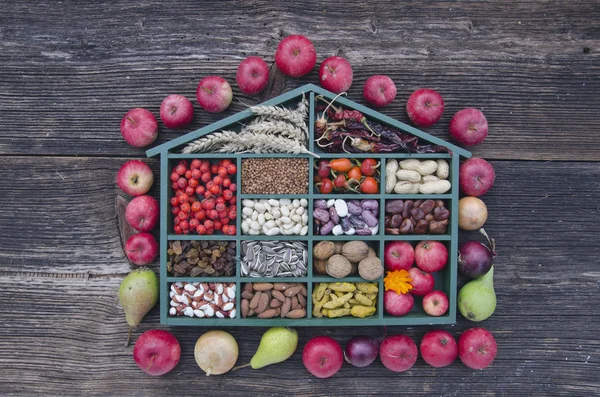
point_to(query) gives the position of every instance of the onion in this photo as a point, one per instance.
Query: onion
(216, 352)
(472, 213)
(475, 258)
(361, 351)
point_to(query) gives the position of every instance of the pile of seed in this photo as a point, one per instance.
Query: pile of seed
(201, 258)
(273, 258)
(275, 176)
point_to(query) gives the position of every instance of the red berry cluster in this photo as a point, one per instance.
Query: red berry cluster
(204, 199)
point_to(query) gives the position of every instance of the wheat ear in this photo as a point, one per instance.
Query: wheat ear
(209, 142)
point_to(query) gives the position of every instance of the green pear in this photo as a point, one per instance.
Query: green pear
(276, 345)
(138, 294)
(477, 299)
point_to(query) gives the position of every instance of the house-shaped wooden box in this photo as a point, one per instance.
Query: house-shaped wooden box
(445, 280)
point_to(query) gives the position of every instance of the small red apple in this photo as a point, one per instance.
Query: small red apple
(398, 255)
(295, 56)
(436, 303)
(398, 353)
(252, 75)
(396, 304)
(425, 107)
(135, 178)
(142, 213)
(176, 111)
(477, 348)
(335, 74)
(323, 356)
(476, 177)
(438, 348)
(431, 256)
(139, 127)
(468, 127)
(156, 352)
(422, 282)
(379, 90)
(214, 94)
(141, 249)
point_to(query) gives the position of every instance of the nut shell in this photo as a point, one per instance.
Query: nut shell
(338, 266)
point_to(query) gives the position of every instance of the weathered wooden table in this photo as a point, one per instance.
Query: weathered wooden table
(70, 70)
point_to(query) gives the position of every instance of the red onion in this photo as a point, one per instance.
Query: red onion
(475, 258)
(361, 351)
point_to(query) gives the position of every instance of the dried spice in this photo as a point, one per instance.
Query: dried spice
(201, 258)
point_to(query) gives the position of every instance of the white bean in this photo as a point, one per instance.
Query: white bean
(296, 203)
(350, 231)
(261, 219)
(270, 224)
(297, 229)
(338, 230)
(303, 202)
(341, 208)
(248, 203)
(272, 232)
(296, 218)
(304, 231)
(276, 214)
(304, 219)
(254, 216)
(330, 203)
(285, 211)
(268, 216)
(254, 225)
(285, 202)
(273, 203)
(300, 210)
(245, 227)
(260, 207)
(267, 207)
(247, 211)
(285, 219)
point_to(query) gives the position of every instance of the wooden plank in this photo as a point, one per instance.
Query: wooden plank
(69, 341)
(67, 78)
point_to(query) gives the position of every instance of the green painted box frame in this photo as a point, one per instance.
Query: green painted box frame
(446, 279)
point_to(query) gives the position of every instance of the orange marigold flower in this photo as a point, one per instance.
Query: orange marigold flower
(399, 281)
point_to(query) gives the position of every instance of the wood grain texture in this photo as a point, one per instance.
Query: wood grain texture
(63, 329)
(71, 70)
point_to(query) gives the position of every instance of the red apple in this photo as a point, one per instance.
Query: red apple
(398, 353)
(135, 178)
(142, 213)
(436, 303)
(398, 255)
(396, 304)
(323, 356)
(252, 75)
(422, 282)
(139, 127)
(468, 127)
(295, 56)
(438, 348)
(431, 256)
(141, 249)
(379, 90)
(335, 74)
(156, 352)
(176, 111)
(477, 348)
(476, 177)
(425, 107)
(214, 94)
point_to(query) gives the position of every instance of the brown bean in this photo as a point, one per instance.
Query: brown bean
(269, 313)
(275, 303)
(263, 303)
(281, 286)
(439, 203)
(295, 303)
(427, 206)
(255, 300)
(303, 290)
(417, 203)
(298, 313)
(248, 287)
(247, 294)
(285, 308)
(408, 206)
(245, 307)
(278, 295)
(262, 286)
(301, 300)
(293, 290)
(422, 227)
